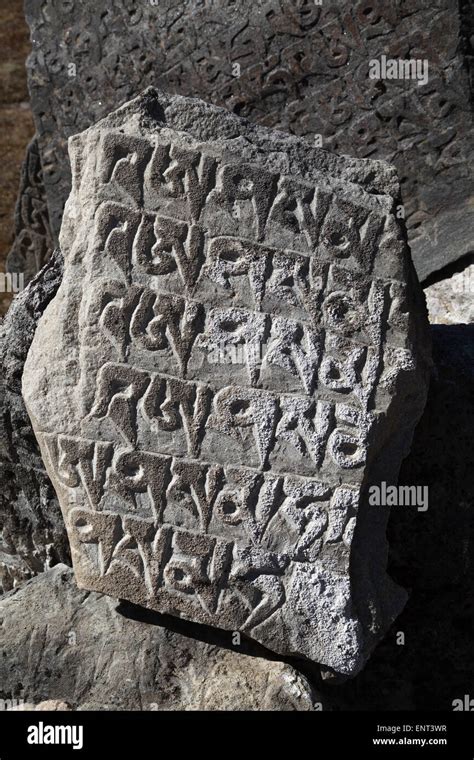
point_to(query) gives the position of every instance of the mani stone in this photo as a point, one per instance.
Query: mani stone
(301, 67)
(237, 349)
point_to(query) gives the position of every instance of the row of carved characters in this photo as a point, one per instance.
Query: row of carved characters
(344, 104)
(288, 45)
(178, 257)
(200, 577)
(239, 199)
(289, 515)
(231, 345)
(289, 57)
(319, 48)
(377, 132)
(294, 72)
(235, 345)
(244, 426)
(195, 44)
(358, 114)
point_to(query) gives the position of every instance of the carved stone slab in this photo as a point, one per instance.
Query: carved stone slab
(235, 351)
(297, 66)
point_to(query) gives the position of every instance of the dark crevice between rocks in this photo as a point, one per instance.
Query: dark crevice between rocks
(449, 270)
(432, 552)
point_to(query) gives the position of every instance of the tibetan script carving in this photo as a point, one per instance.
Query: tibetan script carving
(235, 351)
(314, 69)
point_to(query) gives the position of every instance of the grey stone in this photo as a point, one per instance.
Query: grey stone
(299, 67)
(432, 554)
(60, 643)
(32, 534)
(227, 490)
(33, 245)
(451, 300)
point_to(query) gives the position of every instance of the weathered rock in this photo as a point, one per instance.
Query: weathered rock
(299, 67)
(48, 705)
(451, 301)
(228, 492)
(33, 245)
(32, 535)
(432, 554)
(63, 644)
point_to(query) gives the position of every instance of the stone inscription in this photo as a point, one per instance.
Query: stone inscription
(240, 338)
(301, 66)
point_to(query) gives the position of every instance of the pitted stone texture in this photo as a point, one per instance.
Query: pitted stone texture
(33, 245)
(440, 592)
(67, 646)
(451, 301)
(236, 351)
(299, 67)
(32, 533)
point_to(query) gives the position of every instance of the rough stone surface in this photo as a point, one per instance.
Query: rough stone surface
(432, 554)
(33, 245)
(299, 67)
(64, 644)
(228, 492)
(31, 525)
(451, 301)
